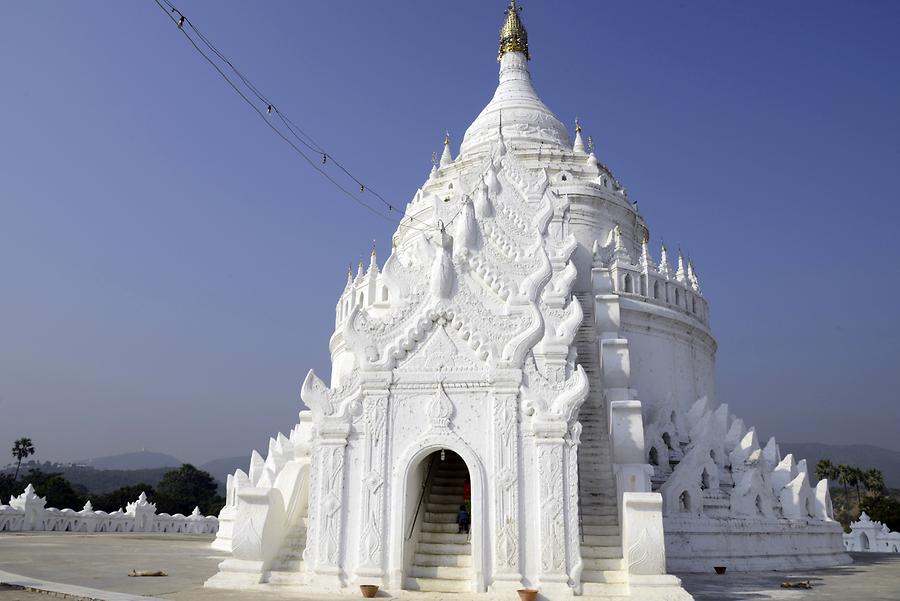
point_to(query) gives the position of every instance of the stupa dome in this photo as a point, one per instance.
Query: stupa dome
(525, 118)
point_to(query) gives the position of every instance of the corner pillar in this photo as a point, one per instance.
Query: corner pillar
(506, 572)
(329, 465)
(371, 554)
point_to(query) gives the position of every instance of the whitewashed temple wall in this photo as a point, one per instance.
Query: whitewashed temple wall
(672, 356)
(868, 536)
(28, 513)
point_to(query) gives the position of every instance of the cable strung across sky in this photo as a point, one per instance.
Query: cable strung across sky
(288, 131)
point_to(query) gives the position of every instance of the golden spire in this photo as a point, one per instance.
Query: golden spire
(513, 37)
(577, 125)
(447, 137)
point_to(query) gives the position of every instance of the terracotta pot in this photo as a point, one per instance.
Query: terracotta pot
(368, 590)
(719, 569)
(527, 594)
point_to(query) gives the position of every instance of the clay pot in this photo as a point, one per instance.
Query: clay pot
(719, 569)
(368, 590)
(527, 594)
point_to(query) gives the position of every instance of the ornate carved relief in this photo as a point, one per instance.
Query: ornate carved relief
(506, 472)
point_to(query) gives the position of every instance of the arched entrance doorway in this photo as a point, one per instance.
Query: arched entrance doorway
(864, 541)
(438, 549)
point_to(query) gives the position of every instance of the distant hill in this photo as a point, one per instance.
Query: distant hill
(220, 468)
(93, 480)
(140, 460)
(860, 455)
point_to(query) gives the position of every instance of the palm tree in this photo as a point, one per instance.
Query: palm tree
(874, 481)
(22, 448)
(845, 476)
(825, 470)
(858, 476)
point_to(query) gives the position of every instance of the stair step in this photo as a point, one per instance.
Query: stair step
(594, 529)
(599, 510)
(447, 490)
(600, 520)
(444, 527)
(595, 550)
(594, 567)
(457, 499)
(452, 561)
(440, 518)
(442, 507)
(442, 572)
(442, 481)
(438, 585)
(445, 548)
(454, 538)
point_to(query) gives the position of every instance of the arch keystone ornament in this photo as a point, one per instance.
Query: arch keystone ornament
(521, 327)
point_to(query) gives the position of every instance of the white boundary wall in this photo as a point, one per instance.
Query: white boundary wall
(28, 512)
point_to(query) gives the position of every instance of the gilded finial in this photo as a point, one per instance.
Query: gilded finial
(513, 37)
(577, 126)
(446, 137)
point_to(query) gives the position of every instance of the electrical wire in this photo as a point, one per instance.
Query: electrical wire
(294, 130)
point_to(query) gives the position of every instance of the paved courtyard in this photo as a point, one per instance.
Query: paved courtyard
(103, 562)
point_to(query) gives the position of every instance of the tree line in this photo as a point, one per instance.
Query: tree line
(179, 490)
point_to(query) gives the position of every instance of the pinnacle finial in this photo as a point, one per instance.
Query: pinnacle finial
(446, 137)
(373, 248)
(513, 37)
(577, 125)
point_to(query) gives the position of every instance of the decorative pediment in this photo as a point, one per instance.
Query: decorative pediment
(441, 353)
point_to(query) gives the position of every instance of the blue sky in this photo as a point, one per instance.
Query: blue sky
(169, 268)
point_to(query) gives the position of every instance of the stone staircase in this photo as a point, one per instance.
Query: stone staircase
(601, 546)
(443, 558)
(288, 567)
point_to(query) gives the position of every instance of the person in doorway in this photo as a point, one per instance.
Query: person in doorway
(463, 520)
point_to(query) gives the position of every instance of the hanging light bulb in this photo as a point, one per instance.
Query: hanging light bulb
(181, 22)
(269, 109)
(442, 455)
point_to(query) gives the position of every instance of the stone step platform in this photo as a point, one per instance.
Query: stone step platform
(285, 578)
(438, 585)
(608, 592)
(290, 565)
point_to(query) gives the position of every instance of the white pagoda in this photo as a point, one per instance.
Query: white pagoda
(520, 353)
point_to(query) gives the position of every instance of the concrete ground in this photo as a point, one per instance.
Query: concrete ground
(102, 561)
